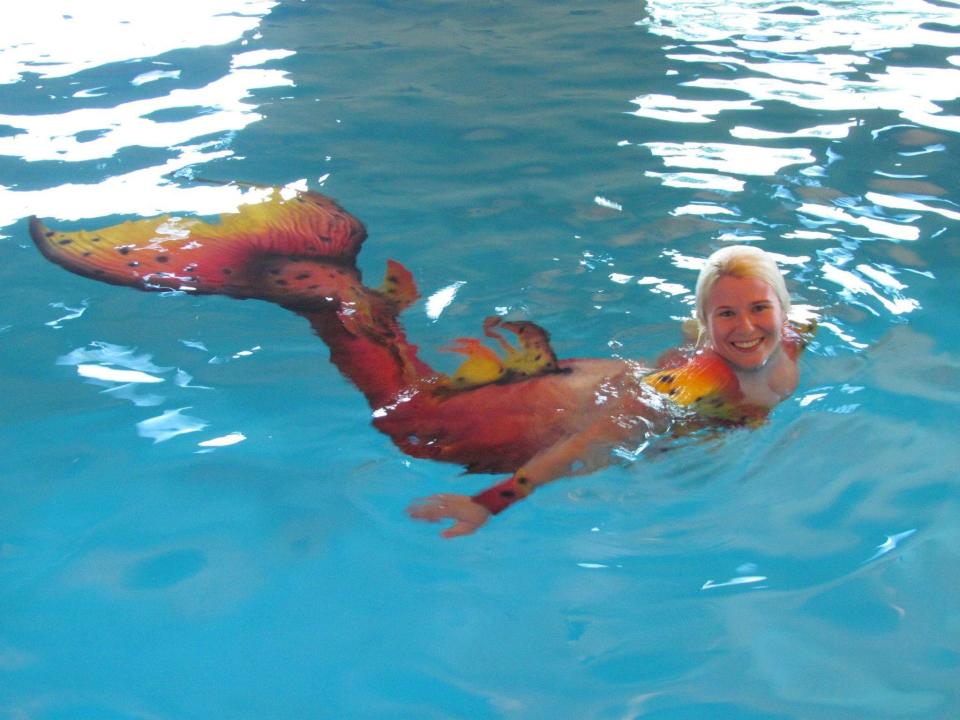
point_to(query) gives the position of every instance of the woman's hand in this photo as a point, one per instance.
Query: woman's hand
(461, 508)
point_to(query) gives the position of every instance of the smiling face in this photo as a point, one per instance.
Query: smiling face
(744, 321)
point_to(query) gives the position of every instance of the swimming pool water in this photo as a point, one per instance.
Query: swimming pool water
(226, 536)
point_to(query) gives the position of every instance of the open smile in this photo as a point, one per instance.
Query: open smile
(747, 345)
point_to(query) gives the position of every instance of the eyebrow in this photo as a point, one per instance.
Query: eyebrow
(763, 301)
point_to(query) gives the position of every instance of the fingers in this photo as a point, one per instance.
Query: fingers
(459, 529)
(431, 509)
(466, 514)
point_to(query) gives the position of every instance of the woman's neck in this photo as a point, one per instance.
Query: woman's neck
(770, 383)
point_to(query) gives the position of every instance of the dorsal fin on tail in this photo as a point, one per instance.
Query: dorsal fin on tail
(399, 286)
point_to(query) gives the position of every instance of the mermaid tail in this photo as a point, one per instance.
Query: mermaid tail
(299, 250)
(273, 250)
(296, 249)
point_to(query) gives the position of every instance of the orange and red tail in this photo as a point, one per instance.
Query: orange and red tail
(271, 250)
(297, 249)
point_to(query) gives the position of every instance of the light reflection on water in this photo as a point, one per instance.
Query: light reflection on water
(790, 54)
(62, 40)
(59, 38)
(735, 59)
(192, 477)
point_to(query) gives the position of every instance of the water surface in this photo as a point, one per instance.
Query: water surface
(222, 533)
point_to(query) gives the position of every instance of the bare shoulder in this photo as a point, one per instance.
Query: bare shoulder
(773, 383)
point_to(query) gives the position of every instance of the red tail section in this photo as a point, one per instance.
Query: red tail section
(246, 254)
(295, 250)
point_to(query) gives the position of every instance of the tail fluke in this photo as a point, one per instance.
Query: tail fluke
(271, 250)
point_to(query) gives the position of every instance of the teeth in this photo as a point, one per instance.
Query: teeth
(748, 345)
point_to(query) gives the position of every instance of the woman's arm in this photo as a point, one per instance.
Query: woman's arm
(581, 452)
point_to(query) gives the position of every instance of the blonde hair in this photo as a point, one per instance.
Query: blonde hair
(742, 261)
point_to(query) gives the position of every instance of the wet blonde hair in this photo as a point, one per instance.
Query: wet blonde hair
(742, 261)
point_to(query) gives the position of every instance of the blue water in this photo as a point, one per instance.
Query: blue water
(229, 540)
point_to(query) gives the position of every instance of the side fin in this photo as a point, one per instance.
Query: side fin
(228, 257)
(535, 355)
(482, 366)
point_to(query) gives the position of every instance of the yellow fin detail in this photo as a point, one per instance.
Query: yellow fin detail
(482, 366)
(535, 356)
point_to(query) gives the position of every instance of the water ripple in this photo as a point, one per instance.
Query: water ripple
(43, 42)
(149, 104)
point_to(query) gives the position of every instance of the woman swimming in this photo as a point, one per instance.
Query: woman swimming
(521, 411)
(743, 364)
